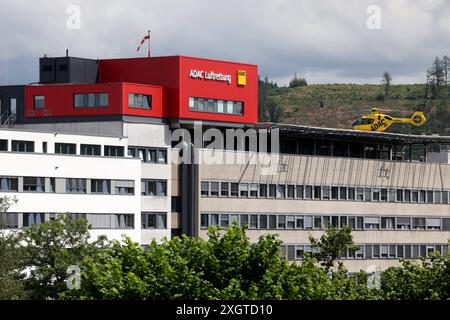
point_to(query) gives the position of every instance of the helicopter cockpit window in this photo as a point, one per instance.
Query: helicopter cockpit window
(362, 121)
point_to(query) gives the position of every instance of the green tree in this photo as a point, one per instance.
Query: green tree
(386, 81)
(11, 285)
(332, 245)
(436, 77)
(297, 82)
(429, 279)
(49, 249)
(275, 110)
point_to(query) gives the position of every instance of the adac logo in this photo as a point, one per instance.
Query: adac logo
(241, 78)
(381, 123)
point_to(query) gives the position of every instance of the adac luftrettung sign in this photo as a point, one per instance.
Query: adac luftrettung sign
(210, 75)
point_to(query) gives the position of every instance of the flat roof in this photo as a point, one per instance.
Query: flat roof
(355, 135)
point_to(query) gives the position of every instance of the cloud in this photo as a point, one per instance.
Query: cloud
(324, 41)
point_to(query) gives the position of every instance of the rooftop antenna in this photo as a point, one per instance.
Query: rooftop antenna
(67, 52)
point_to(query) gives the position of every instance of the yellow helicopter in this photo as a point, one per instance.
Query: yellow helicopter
(378, 121)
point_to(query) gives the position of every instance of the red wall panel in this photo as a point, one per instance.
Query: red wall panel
(59, 100)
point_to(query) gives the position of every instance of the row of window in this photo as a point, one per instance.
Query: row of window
(309, 192)
(216, 106)
(64, 148)
(89, 100)
(96, 100)
(150, 220)
(154, 187)
(309, 222)
(148, 155)
(371, 251)
(96, 220)
(72, 185)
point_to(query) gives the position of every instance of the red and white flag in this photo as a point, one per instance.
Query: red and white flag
(147, 37)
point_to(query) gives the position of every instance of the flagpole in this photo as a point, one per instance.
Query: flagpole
(149, 43)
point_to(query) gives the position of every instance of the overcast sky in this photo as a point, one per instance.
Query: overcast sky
(324, 41)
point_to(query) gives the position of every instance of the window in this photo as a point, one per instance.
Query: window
(415, 196)
(308, 221)
(263, 222)
(334, 193)
(290, 222)
(308, 192)
(204, 188)
(113, 151)
(224, 220)
(75, 185)
(342, 193)
(263, 190)
(44, 147)
(224, 189)
(90, 149)
(399, 195)
(148, 155)
(234, 219)
(30, 219)
(299, 192)
(243, 190)
(9, 184)
(437, 197)
(214, 189)
(388, 195)
(253, 221)
(234, 189)
(156, 187)
(445, 223)
(299, 222)
(367, 194)
(140, 101)
(90, 100)
(422, 196)
(33, 184)
(3, 145)
(407, 194)
(272, 190)
(317, 192)
(317, 222)
(433, 224)
(281, 191)
(418, 223)
(203, 221)
(244, 220)
(214, 220)
(371, 223)
(281, 222)
(351, 193)
(22, 146)
(9, 220)
(273, 222)
(254, 190)
(375, 194)
(290, 191)
(65, 148)
(387, 223)
(216, 106)
(326, 193)
(162, 155)
(123, 221)
(100, 186)
(125, 187)
(430, 196)
(39, 102)
(359, 194)
(403, 223)
(343, 221)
